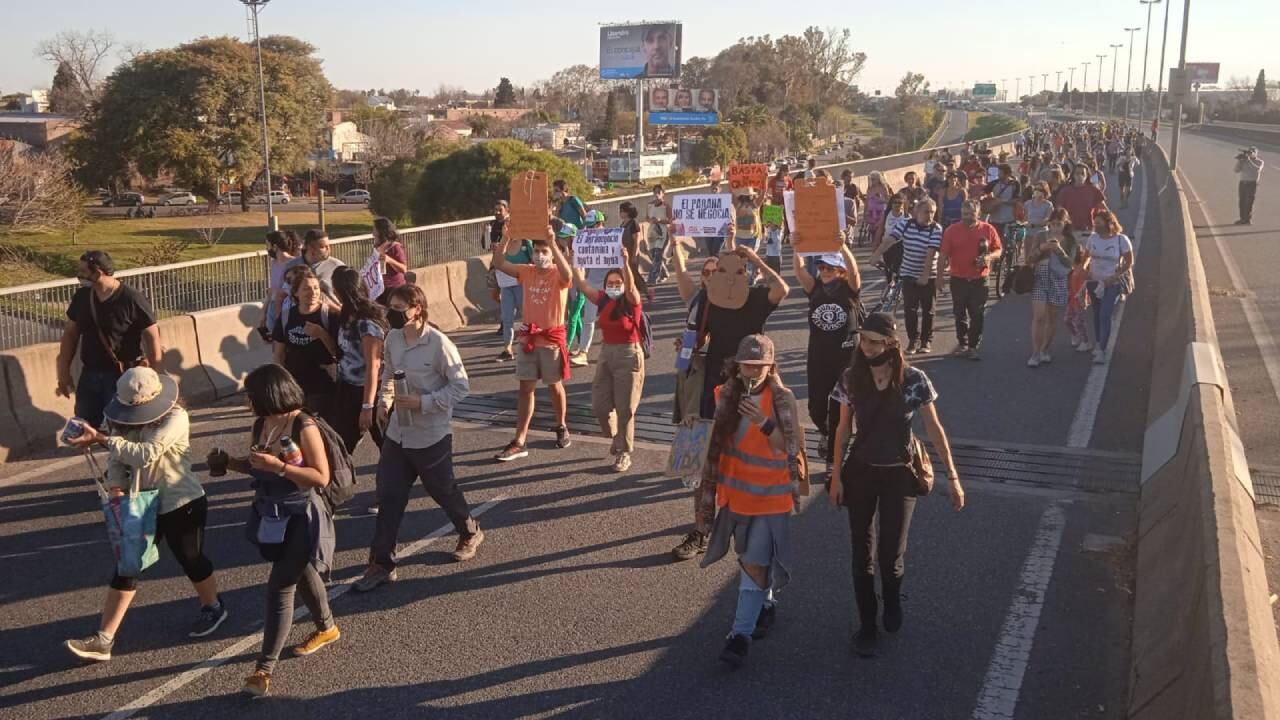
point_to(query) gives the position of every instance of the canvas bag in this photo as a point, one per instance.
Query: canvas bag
(131, 522)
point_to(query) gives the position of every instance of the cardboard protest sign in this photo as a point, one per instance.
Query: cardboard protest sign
(529, 194)
(744, 176)
(701, 215)
(771, 215)
(815, 210)
(689, 451)
(598, 248)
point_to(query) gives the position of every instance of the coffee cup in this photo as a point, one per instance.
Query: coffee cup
(218, 460)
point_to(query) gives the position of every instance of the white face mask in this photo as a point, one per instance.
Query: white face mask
(542, 261)
(85, 283)
(613, 293)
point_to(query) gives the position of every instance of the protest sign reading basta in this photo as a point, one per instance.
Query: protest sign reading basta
(528, 206)
(750, 175)
(598, 248)
(701, 215)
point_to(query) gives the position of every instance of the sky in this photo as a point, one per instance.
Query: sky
(421, 44)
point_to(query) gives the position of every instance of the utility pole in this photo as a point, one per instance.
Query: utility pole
(1142, 100)
(254, 7)
(1097, 106)
(1071, 86)
(1164, 39)
(1111, 103)
(1017, 89)
(640, 129)
(1177, 110)
(1057, 83)
(1128, 81)
(1084, 101)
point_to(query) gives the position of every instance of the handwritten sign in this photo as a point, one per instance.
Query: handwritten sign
(771, 215)
(751, 175)
(528, 205)
(598, 248)
(702, 215)
(689, 451)
(816, 212)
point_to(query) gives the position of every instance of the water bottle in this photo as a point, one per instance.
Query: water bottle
(290, 453)
(688, 342)
(981, 259)
(403, 414)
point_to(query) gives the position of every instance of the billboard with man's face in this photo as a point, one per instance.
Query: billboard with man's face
(640, 51)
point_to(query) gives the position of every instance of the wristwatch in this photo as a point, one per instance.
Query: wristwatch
(366, 406)
(283, 466)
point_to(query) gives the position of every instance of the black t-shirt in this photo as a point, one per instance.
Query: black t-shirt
(496, 229)
(305, 357)
(728, 327)
(829, 309)
(884, 420)
(124, 316)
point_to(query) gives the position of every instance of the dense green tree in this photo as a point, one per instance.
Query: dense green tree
(723, 144)
(1260, 90)
(392, 189)
(65, 95)
(505, 95)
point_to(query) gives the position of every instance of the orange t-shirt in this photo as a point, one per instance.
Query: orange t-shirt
(545, 297)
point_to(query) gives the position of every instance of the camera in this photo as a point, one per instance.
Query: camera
(1244, 153)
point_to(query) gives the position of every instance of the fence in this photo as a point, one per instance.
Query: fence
(34, 313)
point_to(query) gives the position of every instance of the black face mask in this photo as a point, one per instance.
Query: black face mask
(271, 251)
(396, 319)
(879, 360)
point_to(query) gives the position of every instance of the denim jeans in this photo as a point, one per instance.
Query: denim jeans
(96, 388)
(1104, 310)
(291, 572)
(512, 299)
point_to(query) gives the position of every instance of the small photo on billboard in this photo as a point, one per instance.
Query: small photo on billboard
(684, 100)
(640, 51)
(660, 99)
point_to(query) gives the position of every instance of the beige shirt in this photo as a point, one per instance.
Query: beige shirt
(434, 370)
(159, 455)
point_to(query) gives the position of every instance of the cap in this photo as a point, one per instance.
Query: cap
(595, 217)
(833, 260)
(567, 230)
(755, 350)
(880, 323)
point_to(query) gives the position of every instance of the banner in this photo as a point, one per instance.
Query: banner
(815, 209)
(640, 51)
(755, 175)
(771, 215)
(702, 215)
(689, 451)
(529, 206)
(1205, 73)
(684, 106)
(598, 248)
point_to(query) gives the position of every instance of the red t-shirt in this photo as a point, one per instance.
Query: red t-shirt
(960, 244)
(779, 186)
(1081, 203)
(623, 331)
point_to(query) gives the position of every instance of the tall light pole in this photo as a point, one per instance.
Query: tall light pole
(1111, 102)
(1057, 83)
(1017, 89)
(1031, 85)
(255, 6)
(1142, 99)
(1128, 81)
(1084, 83)
(1164, 38)
(1071, 85)
(1004, 89)
(1177, 110)
(1097, 105)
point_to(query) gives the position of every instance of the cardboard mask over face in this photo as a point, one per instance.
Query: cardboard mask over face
(728, 287)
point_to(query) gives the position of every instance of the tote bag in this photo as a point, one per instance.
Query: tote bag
(131, 523)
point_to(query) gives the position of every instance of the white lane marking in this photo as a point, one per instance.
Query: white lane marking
(243, 644)
(1091, 396)
(1000, 689)
(1252, 315)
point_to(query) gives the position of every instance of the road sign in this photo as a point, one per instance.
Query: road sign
(1177, 86)
(1203, 73)
(984, 90)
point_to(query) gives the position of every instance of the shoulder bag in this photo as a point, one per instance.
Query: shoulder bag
(102, 338)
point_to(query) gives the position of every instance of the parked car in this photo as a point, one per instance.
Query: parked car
(179, 198)
(129, 199)
(354, 196)
(230, 198)
(278, 197)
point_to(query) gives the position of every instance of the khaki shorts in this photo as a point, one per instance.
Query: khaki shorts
(543, 364)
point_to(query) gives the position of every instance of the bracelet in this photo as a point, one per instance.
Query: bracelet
(366, 406)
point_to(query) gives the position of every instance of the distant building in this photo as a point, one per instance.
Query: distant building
(464, 113)
(549, 135)
(381, 101)
(37, 101)
(39, 130)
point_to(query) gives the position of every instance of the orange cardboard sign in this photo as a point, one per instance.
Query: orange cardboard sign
(743, 176)
(817, 217)
(529, 202)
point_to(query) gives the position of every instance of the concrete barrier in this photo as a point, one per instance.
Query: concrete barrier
(13, 443)
(434, 281)
(1204, 641)
(181, 359)
(31, 378)
(469, 289)
(229, 346)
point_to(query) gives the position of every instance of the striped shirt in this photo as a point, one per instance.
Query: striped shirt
(917, 241)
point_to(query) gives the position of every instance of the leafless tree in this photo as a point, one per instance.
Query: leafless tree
(83, 53)
(37, 193)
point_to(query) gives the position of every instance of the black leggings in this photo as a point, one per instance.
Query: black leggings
(183, 531)
(344, 416)
(890, 493)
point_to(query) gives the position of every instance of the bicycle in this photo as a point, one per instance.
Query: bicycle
(890, 298)
(1012, 254)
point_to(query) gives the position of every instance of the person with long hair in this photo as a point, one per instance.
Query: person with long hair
(878, 194)
(149, 436)
(392, 259)
(306, 340)
(880, 395)
(1110, 276)
(583, 333)
(632, 240)
(658, 235)
(362, 326)
(619, 379)
(419, 438)
(288, 520)
(1052, 253)
(953, 197)
(751, 483)
(283, 247)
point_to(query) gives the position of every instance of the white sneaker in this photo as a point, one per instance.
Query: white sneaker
(1045, 359)
(1075, 343)
(1034, 361)
(1085, 347)
(1099, 357)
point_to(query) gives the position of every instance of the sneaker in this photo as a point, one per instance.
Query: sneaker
(1045, 358)
(693, 545)
(318, 640)
(912, 347)
(1075, 343)
(374, 576)
(892, 616)
(467, 545)
(209, 620)
(562, 437)
(513, 451)
(864, 642)
(94, 647)
(1085, 346)
(622, 463)
(735, 650)
(371, 510)
(972, 354)
(578, 359)
(1099, 356)
(961, 350)
(257, 685)
(924, 349)
(1034, 361)
(506, 356)
(768, 616)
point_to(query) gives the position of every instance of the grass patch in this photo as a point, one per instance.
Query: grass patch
(990, 125)
(32, 257)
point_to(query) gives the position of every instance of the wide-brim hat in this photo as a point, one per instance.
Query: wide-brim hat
(142, 397)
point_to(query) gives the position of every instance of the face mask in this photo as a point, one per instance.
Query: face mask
(879, 360)
(541, 261)
(271, 252)
(396, 318)
(613, 293)
(85, 282)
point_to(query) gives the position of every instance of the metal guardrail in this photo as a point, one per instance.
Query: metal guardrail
(35, 313)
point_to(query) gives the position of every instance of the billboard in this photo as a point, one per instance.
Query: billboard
(640, 51)
(684, 106)
(1203, 73)
(984, 90)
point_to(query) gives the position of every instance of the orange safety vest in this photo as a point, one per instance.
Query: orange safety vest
(754, 478)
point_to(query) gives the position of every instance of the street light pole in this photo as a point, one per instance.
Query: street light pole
(1071, 86)
(1164, 39)
(1084, 101)
(254, 7)
(1111, 102)
(1128, 81)
(1097, 105)
(1177, 110)
(1142, 100)
(1057, 83)
(1017, 89)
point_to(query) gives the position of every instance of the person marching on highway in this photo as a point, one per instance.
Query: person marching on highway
(150, 436)
(751, 482)
(880, 394)
(1126, 165)
(969, 247)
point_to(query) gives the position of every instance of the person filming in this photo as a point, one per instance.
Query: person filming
(1249, 168)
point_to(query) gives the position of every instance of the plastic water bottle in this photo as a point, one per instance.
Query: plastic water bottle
(981, 259)
(290, 453)
(403, 414)
(687, 342)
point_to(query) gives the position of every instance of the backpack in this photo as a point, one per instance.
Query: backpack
(342, 468)
(646, 334)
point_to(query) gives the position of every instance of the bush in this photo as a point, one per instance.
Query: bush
(465, 183)
(989, 126)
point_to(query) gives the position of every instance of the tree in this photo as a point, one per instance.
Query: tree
(505, 96)
(609, 130)
(1259, 97)
(722, 144)
(389, 136)
(193, 111)
(38, 192)
(465, 183)
(911, 85)
(393, 188)
(82, 54)
(65, 95)
(1065, 97)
